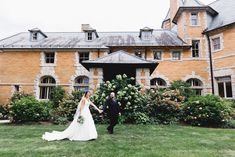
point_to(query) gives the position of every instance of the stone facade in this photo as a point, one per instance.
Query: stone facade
(23, 68)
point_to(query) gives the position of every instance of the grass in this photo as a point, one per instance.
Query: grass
(128, 141)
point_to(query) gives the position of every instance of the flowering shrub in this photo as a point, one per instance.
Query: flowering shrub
(129, 97)
(4, 112)
(183, 87)
(164, 106)
(207, 111)
(25, 108)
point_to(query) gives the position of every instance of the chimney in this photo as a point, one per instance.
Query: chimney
(85, 27)
(174, 6)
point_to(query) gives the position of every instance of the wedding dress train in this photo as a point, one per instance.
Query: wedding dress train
(76, 131)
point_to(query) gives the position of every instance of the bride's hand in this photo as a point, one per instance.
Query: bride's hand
(100, 111)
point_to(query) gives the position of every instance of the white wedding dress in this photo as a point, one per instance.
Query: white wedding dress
(76, 131)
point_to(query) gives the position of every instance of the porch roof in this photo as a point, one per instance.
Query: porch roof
(121, 58)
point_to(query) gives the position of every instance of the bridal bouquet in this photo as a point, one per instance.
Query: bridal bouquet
(80, 120)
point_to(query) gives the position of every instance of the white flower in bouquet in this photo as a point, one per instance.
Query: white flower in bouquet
(118, 77)
(128, 103)
(129, 85)
(80, 119)
(124, 76)
(126, 98)
(126, 88)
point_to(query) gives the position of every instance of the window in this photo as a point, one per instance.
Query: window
(83, 56)
(196, 85)
(158, 82)
(81, 83)
(146, 35)
(157, 55)
(49, 57)
(89, 36)
(216, 43)
(194, 19)
(17, 88)
(195, 48)
(35, 36)
(176, 55)
(45, 86)
(225, 87)
(138, 54)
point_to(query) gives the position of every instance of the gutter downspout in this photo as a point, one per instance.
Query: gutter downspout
(211, 63)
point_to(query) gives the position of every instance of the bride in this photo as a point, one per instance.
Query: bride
(82, 128)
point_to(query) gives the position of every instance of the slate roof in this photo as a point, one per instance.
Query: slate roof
(78, 40)
(121, 58)
(226, 13)
(192, 3)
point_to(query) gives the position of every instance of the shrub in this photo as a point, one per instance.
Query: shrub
(57, 95)
(207, 110)
(4, 112)
(164, 106)
(183, 87)
(129, 97)
(19, 95)
(25, 108)
(64, 112)
(66, 108)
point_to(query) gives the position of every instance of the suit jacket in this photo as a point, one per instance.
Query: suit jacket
(111, 107)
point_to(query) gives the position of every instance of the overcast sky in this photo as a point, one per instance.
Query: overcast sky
(68, 15)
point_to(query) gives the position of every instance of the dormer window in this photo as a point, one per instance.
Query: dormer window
(146, 33)
(35, 36)
(89, 36)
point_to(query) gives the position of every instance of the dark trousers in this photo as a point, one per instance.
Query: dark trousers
(112, 123)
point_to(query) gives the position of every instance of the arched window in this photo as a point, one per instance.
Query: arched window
(196, 84)
(45, 86)
(158, 82)
(81, 83)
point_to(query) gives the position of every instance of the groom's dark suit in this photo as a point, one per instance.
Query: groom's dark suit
(112, 109)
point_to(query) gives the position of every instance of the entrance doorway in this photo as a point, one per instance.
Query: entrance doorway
(110, 72)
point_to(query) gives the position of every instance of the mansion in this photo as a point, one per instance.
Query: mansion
(195, 44)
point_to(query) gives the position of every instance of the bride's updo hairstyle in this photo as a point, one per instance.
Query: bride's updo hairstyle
(85, 94)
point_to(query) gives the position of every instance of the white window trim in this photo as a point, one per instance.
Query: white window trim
(181, 55)
(43, 63)
(93, 36)
(221, 42)
(160, 50)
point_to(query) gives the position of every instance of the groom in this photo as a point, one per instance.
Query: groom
(112, 109)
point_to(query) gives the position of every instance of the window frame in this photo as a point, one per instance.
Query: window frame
(46, 87)
(194, 18)
(156, 85)
(197, 88)
(216, 46)
(220, 36)
(49, 57)
(34, 36)
(195, 49)
(161, 54)
(78, 86)
(83, 58)
(172, 55)
(89, 36)
(224, 80)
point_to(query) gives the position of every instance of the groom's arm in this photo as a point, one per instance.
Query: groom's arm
(105, 106)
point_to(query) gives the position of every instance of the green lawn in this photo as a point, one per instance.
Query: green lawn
(128, 141)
